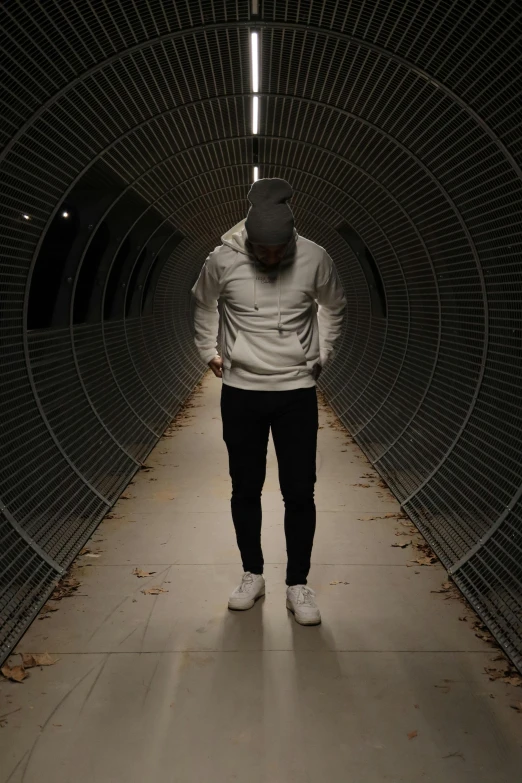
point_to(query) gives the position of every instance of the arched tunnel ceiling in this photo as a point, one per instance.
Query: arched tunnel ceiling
(397, 123)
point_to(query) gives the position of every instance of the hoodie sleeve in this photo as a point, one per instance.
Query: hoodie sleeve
(331, 302)
(206, 292)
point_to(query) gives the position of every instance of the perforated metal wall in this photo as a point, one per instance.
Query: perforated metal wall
(127, 150)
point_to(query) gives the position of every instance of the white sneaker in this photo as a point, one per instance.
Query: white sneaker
(251, 588)
(300, 599)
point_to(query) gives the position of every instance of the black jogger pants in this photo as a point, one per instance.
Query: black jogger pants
(292, 416)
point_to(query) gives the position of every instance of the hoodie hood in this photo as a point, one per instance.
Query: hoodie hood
(236, 239)
(237, 236)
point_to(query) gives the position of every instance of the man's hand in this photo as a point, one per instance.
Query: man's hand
(216, 365)
(316, 371)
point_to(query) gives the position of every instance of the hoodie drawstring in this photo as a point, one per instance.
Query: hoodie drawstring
(279, 324)
(256, 306)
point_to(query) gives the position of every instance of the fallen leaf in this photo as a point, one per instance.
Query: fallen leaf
(154, 591)
(412, 734)
(516, 706)
(402, 546)
(126, 496)
(423, 560)
(141, 574)
(37, 659)
(494, 674)
(85, 550)
(360, 485)
(65, 588)
(445, 588)
(516, 681)
(482, 632)
(463, 619)
(15, 673)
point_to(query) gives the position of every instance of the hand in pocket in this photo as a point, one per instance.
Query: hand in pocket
(316, 371)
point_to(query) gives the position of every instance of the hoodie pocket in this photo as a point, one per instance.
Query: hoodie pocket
(268, 353)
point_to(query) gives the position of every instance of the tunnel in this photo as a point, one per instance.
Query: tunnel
(129, 143)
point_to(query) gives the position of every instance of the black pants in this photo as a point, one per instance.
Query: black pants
(247, 418)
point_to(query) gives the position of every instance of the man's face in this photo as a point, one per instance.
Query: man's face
(269, 255)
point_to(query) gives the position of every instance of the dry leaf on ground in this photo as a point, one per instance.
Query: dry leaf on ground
(65, 588)
(48, 608)
(423, 560)
(426, 556)
(508, 674)
(445, 587)
(335, 582)
(402, 546)
(38, 659)
(360, 485)
(154, 591)
(14, 673)
(141, 574)
(412, 734)
(482, 632)
(517, 706)
(513, 680)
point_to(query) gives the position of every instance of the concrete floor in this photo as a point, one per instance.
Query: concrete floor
(173, 688)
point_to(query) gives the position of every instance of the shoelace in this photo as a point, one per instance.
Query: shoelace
(306, 596)
(247, 580)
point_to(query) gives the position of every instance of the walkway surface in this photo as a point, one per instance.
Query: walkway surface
(169, 686)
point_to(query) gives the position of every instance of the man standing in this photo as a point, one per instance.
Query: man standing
(275, 341)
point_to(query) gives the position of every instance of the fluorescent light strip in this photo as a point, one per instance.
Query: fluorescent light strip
(255, 63)
(256, 173)
(255, 114)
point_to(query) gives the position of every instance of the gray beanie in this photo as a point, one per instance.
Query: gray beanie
(270, 220)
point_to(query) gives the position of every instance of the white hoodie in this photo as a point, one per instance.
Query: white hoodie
(277, 323)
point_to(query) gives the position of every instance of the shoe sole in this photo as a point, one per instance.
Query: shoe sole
(247, 606)
(301, 622)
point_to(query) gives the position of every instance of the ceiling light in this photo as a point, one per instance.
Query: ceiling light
(26, 217)
(256, 173)
(255, 114)
(255, 63)
(65, 214)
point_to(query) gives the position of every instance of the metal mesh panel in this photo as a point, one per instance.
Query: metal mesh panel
(401, 119)
(25, 581)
